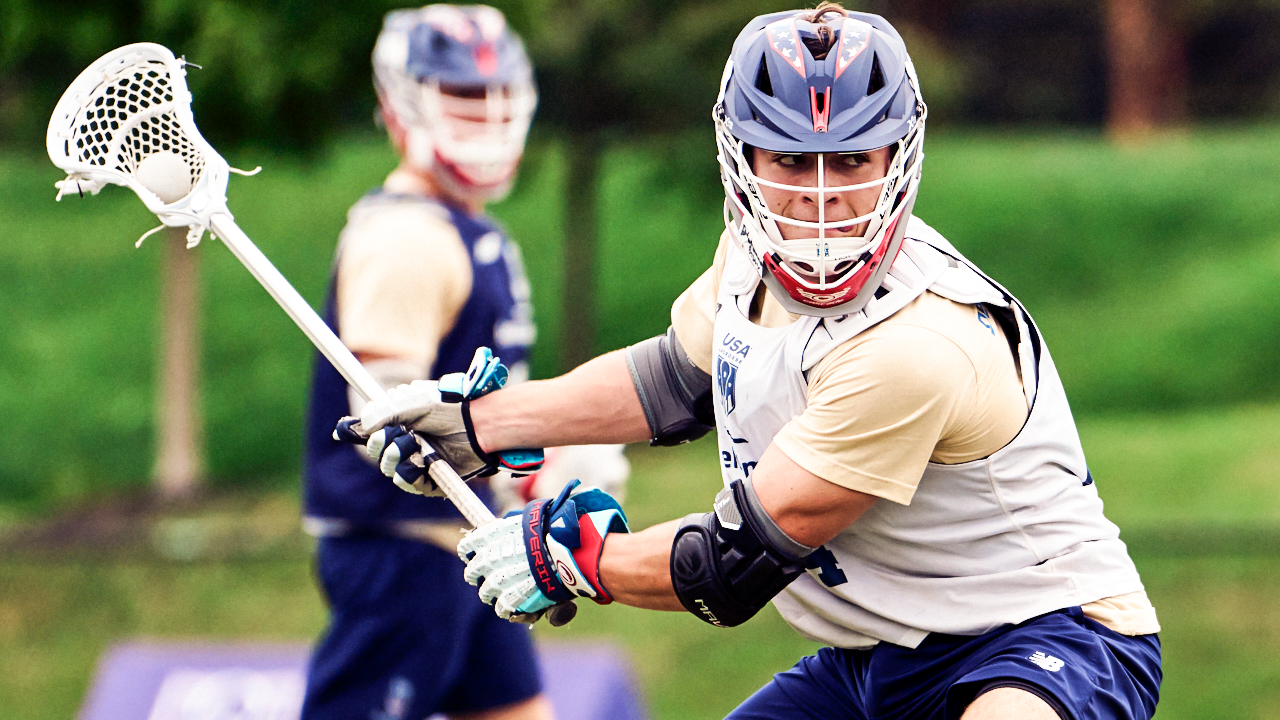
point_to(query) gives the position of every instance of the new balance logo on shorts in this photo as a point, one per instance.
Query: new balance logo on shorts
(1048, 662)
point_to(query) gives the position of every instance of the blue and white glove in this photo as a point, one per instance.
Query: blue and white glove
(440, 411)
(526, 564)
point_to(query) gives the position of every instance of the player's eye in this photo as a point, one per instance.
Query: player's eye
(788, 160)
(854, 159)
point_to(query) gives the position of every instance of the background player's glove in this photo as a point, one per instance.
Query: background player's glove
(598, 466)
(439, 410)
(549, 554)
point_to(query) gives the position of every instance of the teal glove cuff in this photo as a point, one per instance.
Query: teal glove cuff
(486, 374)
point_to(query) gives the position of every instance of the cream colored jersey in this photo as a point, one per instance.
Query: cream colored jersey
(958, 399)
(382, 252)
(934, 384)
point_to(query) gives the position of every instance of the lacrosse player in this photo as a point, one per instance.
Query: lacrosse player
(407, 638)
(903, 477)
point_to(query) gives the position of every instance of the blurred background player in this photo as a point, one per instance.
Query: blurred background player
(407, 638)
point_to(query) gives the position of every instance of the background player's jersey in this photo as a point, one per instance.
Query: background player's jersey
(342, 485)
(971, 545)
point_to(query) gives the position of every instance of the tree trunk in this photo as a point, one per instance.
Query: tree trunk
(578, 317)
(179, 448)
(1147, 74)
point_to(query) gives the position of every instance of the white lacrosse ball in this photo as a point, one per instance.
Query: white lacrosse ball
(166, 174)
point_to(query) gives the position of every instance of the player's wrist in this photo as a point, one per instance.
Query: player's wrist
(478, 412)
(518, 461)
(598, 571)
(635, 568)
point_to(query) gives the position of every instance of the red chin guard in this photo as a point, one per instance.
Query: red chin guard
(842, 292)
(469, 184)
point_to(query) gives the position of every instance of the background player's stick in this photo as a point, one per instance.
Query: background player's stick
(126, 120)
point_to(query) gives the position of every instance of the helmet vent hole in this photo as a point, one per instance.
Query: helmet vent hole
(820, 43)
(763, 83)
(841, 267)
(805, 267)
(877, 76)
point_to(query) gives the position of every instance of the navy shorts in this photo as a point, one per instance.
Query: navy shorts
(407, 637)
(1076, 664)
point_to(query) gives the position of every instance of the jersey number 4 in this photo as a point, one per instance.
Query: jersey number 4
(824, 561)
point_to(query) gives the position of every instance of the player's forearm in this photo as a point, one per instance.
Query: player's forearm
(636, 568)
(595, 403)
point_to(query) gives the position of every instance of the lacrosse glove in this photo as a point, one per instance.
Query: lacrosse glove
(537, 561)
(440, 411)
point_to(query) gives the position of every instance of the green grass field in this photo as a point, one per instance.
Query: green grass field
(1151, 271)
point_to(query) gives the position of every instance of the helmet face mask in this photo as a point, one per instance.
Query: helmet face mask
(857, 100)
(478, 137)
(457, 83)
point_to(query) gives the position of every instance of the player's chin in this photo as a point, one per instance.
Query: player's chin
(483, 190)
(811, 234)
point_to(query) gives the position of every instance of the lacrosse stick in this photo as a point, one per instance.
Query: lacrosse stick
(126, 120)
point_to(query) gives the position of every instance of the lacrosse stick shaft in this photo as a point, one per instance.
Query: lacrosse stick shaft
(455, 488)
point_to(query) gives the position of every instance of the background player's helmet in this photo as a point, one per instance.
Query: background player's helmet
(781, 92)
(457, 80)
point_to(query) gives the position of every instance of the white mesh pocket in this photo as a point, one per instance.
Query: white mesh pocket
(130, 117)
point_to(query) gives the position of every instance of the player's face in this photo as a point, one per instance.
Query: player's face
(477, 135)
(474, 112)
(839, 170)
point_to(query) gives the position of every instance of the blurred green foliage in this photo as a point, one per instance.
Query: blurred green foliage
(287, 73)
(290, 74)
(1152, 269)
(1151, 272)
(294, 74)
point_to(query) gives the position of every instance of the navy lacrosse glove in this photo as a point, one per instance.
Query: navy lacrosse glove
(545, 556)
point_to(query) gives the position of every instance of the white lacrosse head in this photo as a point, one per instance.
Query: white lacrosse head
(130, 106)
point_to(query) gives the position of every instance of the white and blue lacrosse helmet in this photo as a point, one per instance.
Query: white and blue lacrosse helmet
(819, 81)
(457, 81)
